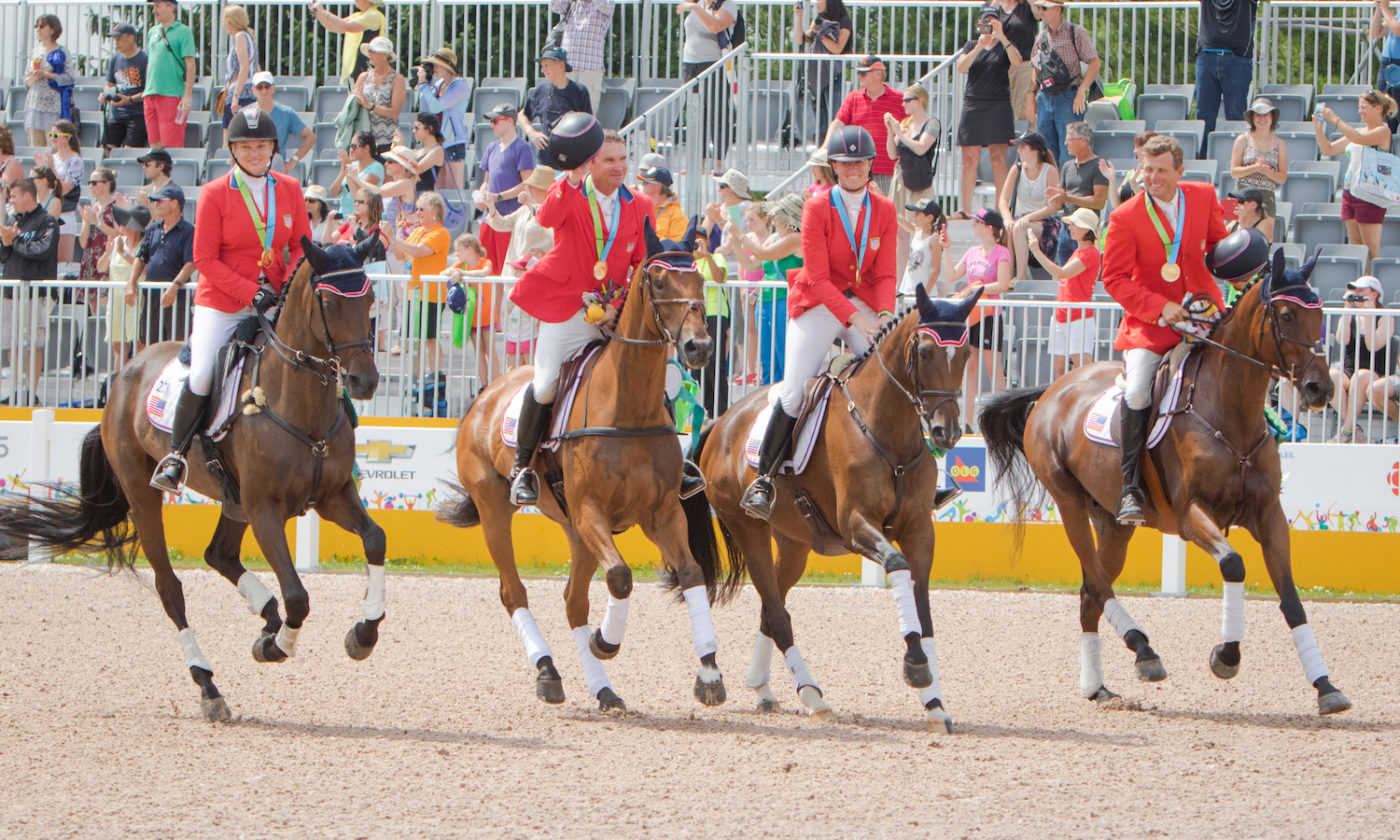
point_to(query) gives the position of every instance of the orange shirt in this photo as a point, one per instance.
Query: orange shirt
(485, 294)
(435, 263)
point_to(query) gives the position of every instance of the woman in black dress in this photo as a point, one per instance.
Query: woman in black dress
(986, 119)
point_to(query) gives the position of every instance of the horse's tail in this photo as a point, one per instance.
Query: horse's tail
(459, 511)
(94, 521)
(1003, 426)
(704, 547)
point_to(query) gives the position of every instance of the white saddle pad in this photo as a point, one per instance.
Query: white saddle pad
(1101, 423)
(563, 405)
(160, 402)
(804, 438)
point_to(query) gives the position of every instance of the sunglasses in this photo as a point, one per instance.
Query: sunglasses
(361, 201)
(910, 99)
(53, 134)
(355, 146)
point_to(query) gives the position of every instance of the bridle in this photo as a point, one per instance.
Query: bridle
(1316, 349)
(669, 336)
(327, 370)
(926, 414)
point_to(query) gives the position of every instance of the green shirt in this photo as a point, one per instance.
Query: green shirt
(777, 271)
(166, 51)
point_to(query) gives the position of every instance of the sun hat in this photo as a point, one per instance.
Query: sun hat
(788, 210)
(541, 178)
(381, 45)
(736, 181)
(443, 57)
(403, 156)
(1083, 218)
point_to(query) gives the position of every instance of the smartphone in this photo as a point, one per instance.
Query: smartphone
(984, 28)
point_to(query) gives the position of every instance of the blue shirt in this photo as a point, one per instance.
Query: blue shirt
(451, 105)
(1390, 47)
(166, 252)
(288, 125)
(503, 168)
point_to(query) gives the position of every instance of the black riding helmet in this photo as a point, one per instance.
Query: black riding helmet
(850, 142)
(1238, 256)
(249, 123)
(573, 141)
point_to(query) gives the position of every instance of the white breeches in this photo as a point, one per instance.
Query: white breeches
(809, 338)
(210, 330)
(1139, 366)
(555, 344)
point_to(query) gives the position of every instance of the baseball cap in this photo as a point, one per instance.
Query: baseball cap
(122, 29)
(1253, 194)
(501, 112)
(989, 217)
(870, 62)
(928, 206)
(652, 160)
(1044, 3)
(1366, 282)
(558, 54)
(736, 181)
(169, 191)
(657, 175)
(156, 156)
(263, 77)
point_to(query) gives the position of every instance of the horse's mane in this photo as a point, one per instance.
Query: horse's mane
(885, 330)
(287, 286)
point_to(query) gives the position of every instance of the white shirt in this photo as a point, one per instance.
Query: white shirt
(257, 188)
(853, 201)
(1168, 209)
(920, 266)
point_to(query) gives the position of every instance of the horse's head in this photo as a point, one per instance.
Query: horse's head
(938, 353)
(344, 299)
(674, 291)
(1293, 313)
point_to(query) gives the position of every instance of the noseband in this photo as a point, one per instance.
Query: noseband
(669, 336)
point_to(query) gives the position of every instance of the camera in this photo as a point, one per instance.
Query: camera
(1354, 297)
(984, 28)
(111, 96)
(427, 67)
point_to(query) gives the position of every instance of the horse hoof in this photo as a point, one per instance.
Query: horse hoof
(1220, 667)
(768, 704)
(823, 715)
(354, 647)
(811, 697)
(917, 675)
(710, 693)
(265, 649)
(1332, 702)
(1151, 670)
(550, 691)
(600, 648)
(608, 701)
(938, 718)
(215, 709)
(1103, 695)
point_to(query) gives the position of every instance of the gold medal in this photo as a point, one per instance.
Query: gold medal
(600, 270)
(1171, 272)
(265, 260)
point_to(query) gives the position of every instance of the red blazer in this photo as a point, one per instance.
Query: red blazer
(829, 264)
(227, 247)
(553, 289)
(1133, 260)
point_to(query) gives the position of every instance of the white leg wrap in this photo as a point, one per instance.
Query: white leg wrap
(1119, 618)
(535, 646)
(374, 593)
(902, 587)
(615, 620)
(801, 677)
(1090, 663)
(1232, 616)
(702, 627)
(762, 663)
(593, 671)
(250, 586)
(194, 657)
(934, 690)
(1308, 654)
(287, 639)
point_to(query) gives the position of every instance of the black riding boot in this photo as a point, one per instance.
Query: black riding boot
(1132, 436)
(534, 422)
(692, 480)
(759, 497)
(189, 412)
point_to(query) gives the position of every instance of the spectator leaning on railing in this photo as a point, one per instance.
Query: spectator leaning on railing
(1225, 59)
(170, 51)
(584, 30)
(867, 107)
(125, 123)
(1061, 82)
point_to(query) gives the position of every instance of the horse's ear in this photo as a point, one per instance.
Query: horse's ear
(652, 240)
(965, 308)
(362, 248)
(927, 311)
(314, 255)
(1306, 269)
(1274, 278)
(692, 230)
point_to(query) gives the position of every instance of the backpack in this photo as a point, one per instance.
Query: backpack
(734, 35)
(1057, 77)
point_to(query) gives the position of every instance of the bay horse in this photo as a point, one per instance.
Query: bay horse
(1216, 468)
(871, 480)
(292, 448)
(621, 466)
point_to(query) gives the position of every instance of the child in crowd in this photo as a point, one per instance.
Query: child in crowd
(470, 261)
(1074, 331)
(928, 238)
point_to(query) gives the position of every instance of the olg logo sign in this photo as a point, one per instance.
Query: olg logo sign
(968, 468)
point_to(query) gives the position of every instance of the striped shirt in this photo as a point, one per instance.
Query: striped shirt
(1067, 41)
(859, 109)
(585, 31)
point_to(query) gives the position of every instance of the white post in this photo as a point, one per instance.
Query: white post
(40, 445)
(1173, 565)
(872, 573)
(308, 542)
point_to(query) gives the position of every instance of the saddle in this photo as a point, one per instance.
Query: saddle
(570, 377)
(1101, 421)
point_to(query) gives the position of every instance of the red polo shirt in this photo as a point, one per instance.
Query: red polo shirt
(859, 109)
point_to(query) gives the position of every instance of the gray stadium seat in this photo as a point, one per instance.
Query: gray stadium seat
(186, 173)
(328, 102)
(1336, 267)
(612, 107)
(1201, 170)
(1114, 143)
(1188, 91)
(1283, 224)
(1344, 90)
(89, 101)
(325, 140)
(14, 100)
(1302, 145)
(323, 172)
(482, 135)
(1121, 125)
(1190, 142)
(1294, 102)
(1309, 186)
(129, 175)
(1314, 229)
(487, 98)
(296, 98)
(770, 109)
(1152, 108)
(1387, 270)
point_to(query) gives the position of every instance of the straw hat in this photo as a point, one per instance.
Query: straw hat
(380, 45)
(443, 57)
(787, 210)
(541, 178)
(403, 156)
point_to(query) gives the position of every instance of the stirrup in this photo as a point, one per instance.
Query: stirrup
(524, 487)
(170, 473)
(692, 480)
(759, 498)
(1130, 508)
(941, 498)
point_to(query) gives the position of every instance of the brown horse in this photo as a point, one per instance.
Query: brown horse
(621, 466)
(871, 479)
(1216, 467)
(292, 448)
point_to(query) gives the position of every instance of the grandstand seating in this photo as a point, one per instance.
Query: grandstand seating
(1153, 108)
(488, 97)
(1337, 266)
(1292, 255)
(1294, 102)
(325, 140)
(1313, 229)
(1301, 143)
(328, 101)
(1387, 270)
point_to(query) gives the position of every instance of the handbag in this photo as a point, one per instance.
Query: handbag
(1376, 177)
(220, 99)
(455, 217)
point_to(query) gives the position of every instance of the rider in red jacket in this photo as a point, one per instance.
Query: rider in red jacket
(845, 287)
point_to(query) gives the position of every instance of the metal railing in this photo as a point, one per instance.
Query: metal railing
(439, 372)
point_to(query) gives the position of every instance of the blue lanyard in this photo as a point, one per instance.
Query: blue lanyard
(840, 205)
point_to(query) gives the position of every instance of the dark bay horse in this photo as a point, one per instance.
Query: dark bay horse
(871, 480)
(621, 466)
(292, 448)
(1217, 467)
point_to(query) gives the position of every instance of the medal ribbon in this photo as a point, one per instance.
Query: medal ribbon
(840, 205)
(604, 247)
(1172, 245)
(263, 223)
